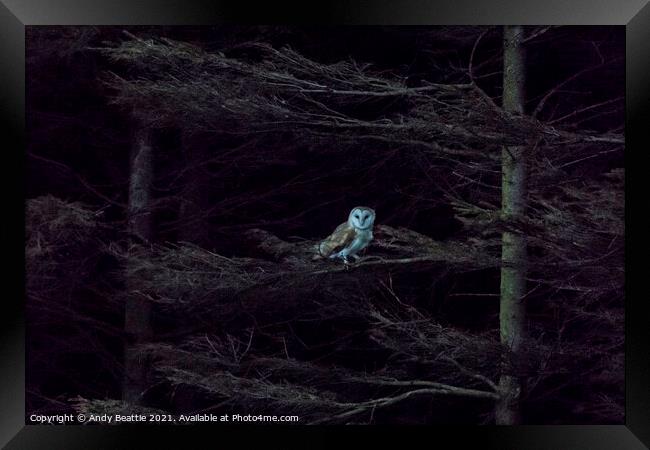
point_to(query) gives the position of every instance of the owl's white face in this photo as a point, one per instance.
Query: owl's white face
(361, 218)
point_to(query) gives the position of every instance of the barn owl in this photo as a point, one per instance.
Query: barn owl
(350, 237)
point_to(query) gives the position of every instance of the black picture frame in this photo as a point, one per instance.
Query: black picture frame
(16, 14)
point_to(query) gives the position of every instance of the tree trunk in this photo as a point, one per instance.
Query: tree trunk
(137, 318)
(513, 251)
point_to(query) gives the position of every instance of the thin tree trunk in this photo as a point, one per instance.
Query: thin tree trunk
(513, 251)
(137, 318)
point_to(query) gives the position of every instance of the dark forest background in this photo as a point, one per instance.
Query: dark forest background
(263, 139)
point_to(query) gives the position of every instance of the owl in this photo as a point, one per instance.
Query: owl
(350, 237)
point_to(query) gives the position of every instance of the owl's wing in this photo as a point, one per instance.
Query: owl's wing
(338, 240)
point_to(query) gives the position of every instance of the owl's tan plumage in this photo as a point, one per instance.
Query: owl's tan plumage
(342, 236)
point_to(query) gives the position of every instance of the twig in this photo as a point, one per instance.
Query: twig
(383, 402)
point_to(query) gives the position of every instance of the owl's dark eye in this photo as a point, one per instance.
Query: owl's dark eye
(356, 216)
